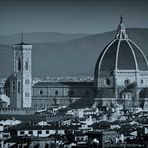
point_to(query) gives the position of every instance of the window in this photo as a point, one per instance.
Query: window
(141, 81)
(30, 132)
(22, 132)
(39, 132)
(13, 85)
(26, 65)
(126, 82)
(26, 81)
(56, 92)
(41, 92)
(27, 94)
(19, 86)
(71, 93)
(108, 81)
(19, 65)
(47, 132)
(6, 91)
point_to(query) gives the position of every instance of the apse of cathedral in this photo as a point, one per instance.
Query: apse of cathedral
(120, 79)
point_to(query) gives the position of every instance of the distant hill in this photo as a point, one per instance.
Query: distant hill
(74, 57)
(39, 37)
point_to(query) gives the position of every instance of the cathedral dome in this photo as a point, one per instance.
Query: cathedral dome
(121, 54)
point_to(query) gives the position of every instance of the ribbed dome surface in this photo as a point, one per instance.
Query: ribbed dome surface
(122, 55)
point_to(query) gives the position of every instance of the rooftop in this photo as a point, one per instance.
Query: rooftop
(38, 127)
(63, 84)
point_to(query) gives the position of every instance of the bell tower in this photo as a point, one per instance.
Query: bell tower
(22, 97)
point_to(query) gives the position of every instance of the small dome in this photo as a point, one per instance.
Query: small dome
(121, 54)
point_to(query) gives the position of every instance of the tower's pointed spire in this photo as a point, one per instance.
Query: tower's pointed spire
(121, 30)
(22, 36)
(22, 39)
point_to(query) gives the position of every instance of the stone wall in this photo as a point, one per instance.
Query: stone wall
(16, 111)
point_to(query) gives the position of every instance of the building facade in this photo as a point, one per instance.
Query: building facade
(121, 72)
(46, 94)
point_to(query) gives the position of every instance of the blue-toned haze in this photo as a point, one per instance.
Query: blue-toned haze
(75, 52)
(70, 16)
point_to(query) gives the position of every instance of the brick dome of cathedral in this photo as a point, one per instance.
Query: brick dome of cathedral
(121, 54)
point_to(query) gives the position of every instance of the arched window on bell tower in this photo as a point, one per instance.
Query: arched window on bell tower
(19, 65)
(26, 65)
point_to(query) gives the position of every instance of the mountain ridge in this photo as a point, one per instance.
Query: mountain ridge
(39, 37)
(72, 57)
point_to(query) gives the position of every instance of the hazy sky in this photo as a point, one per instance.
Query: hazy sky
(85, 16)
